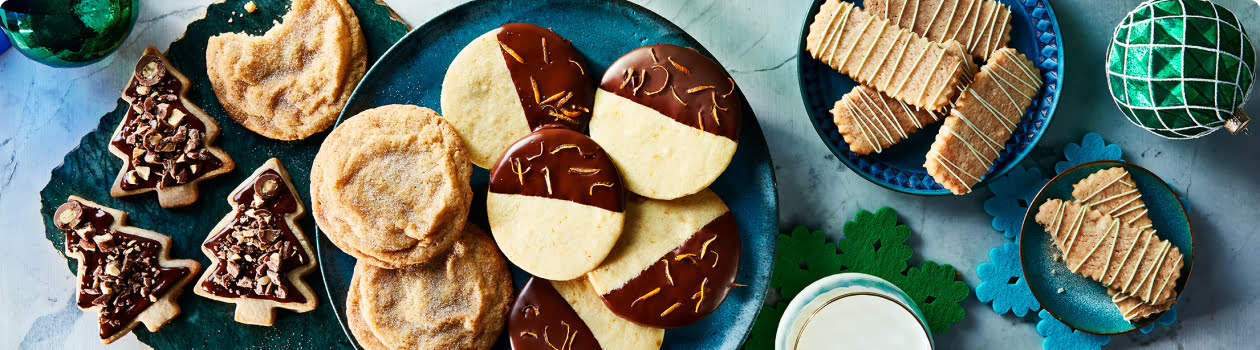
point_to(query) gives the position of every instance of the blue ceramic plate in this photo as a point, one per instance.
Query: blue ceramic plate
(1034, 33)
(1084, 304)
(411, 73)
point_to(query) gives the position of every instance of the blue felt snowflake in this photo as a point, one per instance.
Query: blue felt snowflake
(1168, 318)
(1091, 148)
(1061, 337)
(1003, 284)
(1011, 196)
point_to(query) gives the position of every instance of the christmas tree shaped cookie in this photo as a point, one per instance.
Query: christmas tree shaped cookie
(164, 140)
(124, 272)
(258, 252)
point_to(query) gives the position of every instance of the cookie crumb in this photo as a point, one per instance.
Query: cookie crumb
(251, 7)
(1060, 291)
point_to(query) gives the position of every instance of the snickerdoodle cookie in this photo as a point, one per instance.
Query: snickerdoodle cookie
(458, 300)
(390, 185)
(292, 81)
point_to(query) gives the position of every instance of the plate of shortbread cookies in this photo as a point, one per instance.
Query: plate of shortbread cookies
(1106, 247)
(506, 177)
(930, 97)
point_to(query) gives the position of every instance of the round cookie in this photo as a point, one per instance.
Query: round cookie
(556, 204)
(354, 317)
(512, 80)
(675, 262)
(458, 300)
(390, 186)
(569, 315)
(669, 117)
(293, 80)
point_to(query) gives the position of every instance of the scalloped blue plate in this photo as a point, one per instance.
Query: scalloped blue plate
(1034, 33)
(1084, 304)
(411, 72)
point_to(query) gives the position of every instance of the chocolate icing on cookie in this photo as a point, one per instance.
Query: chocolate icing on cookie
(681, 84)
(165, 141)
(260, 233)
(550, 78)
(542, 319)
(561, 164)
(686, 284)
(120, 272)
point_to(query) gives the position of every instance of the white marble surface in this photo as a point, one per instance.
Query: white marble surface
(47, 110)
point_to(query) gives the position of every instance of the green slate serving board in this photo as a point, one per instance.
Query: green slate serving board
(89, 170)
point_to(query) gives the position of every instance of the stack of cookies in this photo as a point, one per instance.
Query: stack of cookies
(915, 61)
(1106, 235)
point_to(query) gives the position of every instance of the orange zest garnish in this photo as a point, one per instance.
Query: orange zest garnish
(680, 257)
(715, 104)
(547, 176)
(728, 93)
(584, 171)
(738, 285)
(700, 294)
(529, 334)
(642, 80)
(700, 119)
(564, 99)
(566, 146)
(544, 50)
(652, 51)
(560, 116)
(667, 276)
(534, 84)
(705, 246)
(520, 173)
(553, 97)
(716, 257)
(670, 309)
(715, 116)
(663, 83)
(629, 77)
(511, 52)
(679, 66)
(602, 184)
(579, 65)
(529, 307)
(646, 296)
(677, 98)
(700, 88)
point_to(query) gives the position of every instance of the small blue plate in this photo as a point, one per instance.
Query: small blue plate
(1084, 304)
(1034, 33)
(411, 72)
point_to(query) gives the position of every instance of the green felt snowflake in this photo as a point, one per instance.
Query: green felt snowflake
(873, 243)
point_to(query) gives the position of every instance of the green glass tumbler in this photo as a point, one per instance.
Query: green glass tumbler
(68, 33)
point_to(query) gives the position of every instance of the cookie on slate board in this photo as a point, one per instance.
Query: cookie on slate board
(124, 272)
(258, 252)
(669, 117)
(876, 53)
(294, 80)
(550, 315)
(675, 262)
(164, 140)
(983, 118)
(458, 300)
(390, 186)
(982, 26)
(1136, 262)
(513, 80)
(556, 204)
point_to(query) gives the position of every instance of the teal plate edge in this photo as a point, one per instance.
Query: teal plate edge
(411, 72)
(1084, 304)
(1034, 33)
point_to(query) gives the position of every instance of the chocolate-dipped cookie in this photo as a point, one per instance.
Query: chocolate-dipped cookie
(669, 117)
(675, 262)
(513, 80)
(552, 315)
(556, 204)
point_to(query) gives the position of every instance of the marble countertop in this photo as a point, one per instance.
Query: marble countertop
(47, 110)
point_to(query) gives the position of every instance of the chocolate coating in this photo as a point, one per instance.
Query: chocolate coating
(550, 78)
(714, 272)
(541, 319)
(560, 164)
(680, 83)
(281, 203)
(140, 270)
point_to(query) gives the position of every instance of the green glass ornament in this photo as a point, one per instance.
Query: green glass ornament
(68, 33)
(1181, 68)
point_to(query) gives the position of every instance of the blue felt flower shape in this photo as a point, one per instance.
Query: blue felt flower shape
(1091, 148)
(1061, 337)
(1168, 318)
(1003, 284)
(1012, 194)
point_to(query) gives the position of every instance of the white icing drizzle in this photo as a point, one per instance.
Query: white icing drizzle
(987, 19)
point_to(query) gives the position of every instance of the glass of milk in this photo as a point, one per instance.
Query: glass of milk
(852, 311)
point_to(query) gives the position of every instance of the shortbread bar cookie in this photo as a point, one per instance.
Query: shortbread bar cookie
(458, 300)
(513, 80)
(390, 185)
(164, 140)
(976, 130)
(878, 54)
(1113, 192)
(258, 252)
(124, 273)
(552, 315)
(292, 81)
(556, 204)
(674, 264)
(1105, 249)
(982, 26)
(669, 117)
